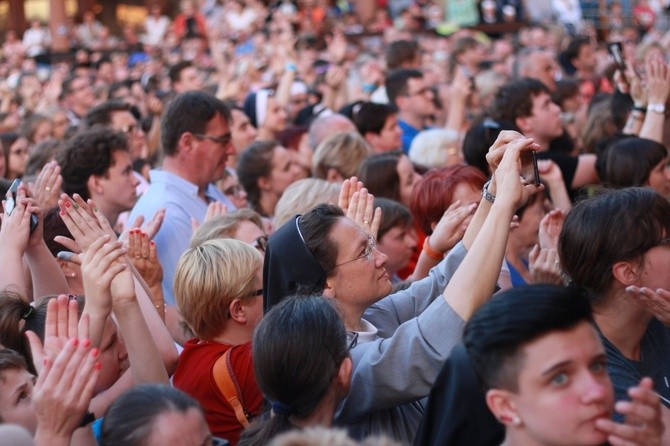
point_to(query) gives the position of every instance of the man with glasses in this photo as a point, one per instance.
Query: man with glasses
(408, 92)
(78, 98)
(119, 116)
(196, 143)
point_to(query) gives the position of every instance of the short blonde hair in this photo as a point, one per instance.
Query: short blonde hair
(342, 152)
(209, 277)
(224, 226)
(302, 196)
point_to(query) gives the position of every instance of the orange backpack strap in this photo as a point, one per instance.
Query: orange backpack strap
(227, 384)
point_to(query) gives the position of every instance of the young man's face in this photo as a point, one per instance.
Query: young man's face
(389, 137)
(119, 183)
(544, 122)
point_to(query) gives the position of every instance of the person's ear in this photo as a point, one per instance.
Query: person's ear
(626, 272)
(502, 406)
(344, 375)
(522, 124)
(334, 176)
(95, 186)
(237, 311)
(185, 142)
(264, 183)
(328, 290)
(69, 270)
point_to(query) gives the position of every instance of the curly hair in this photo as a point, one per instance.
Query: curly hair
(88, 153)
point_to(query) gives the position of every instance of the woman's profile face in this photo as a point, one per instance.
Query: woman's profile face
(284, 170)
(361, 278)
(563, 388)
(398, 243)
(277, 117)
(659, 178)
(408, 177)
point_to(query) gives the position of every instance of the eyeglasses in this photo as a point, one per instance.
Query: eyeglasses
(423, 91)
(260, 243)
(372, 244)
(132, 128)
(224, 140)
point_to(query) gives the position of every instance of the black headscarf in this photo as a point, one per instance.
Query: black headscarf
(290, 268)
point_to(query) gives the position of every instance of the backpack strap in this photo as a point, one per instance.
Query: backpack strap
(229, 387)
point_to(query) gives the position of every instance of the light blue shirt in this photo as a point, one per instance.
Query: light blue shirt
(180, 199)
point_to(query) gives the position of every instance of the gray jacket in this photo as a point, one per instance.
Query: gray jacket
(393, 373)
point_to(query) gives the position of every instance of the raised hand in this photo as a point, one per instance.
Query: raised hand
(656, 301)
(85, 222)
(451, 227)
(544, 266)
(361, 210)
(46, 188)
(63, 391)
(550, 229)
(62, 325)
(142, 254)
(643, 425)
(150, 228)
(103, 260)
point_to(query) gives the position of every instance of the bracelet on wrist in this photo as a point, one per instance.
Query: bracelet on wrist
(640, 108)
(430, 252)
(486, 194)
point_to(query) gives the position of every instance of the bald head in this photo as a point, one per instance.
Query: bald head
(324, 126)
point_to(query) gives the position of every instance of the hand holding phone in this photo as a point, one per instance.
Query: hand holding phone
(529, 170)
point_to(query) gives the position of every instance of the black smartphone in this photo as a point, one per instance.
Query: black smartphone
(529, 170)
(10, 204)
(616, 50)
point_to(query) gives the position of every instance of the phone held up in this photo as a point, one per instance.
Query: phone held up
(529, 170)
(10, 204)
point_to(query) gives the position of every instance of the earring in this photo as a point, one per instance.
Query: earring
(72, 275)
(516, 421)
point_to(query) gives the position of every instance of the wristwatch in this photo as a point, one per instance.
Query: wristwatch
(656, 108)
(488, 196)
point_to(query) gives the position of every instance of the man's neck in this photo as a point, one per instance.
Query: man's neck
(415, 121)
(183, 170)
(539, 140)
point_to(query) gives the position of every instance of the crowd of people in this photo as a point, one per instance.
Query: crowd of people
(347, 223)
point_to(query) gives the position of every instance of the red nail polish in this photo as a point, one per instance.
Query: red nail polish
(86, 343)
(62, 213)
(152, 243)
(144, 235)
(75, 342)
(98, 366)
(67, 204)
(95, 352)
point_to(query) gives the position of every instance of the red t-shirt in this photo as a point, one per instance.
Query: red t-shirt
(194, 376)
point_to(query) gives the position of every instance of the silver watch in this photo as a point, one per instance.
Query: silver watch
(486, 194)
(656, 108)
